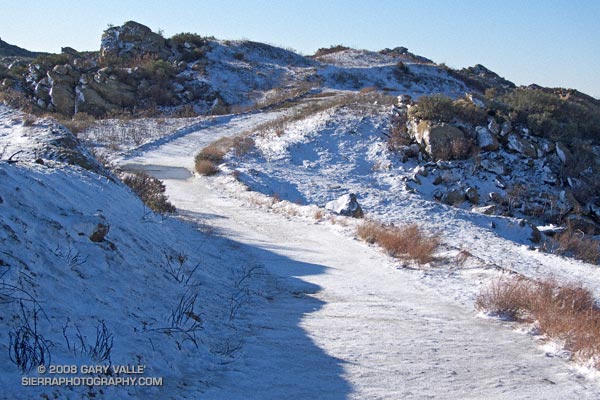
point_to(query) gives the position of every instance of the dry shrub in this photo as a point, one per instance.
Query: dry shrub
(507, 297)
(213, 153)
(463, 256)
(318, 215)
(368, 89)
(150, 190)
(242, 145)
(206, 167)
(575, 243)
(398, 137)
(564, 312)
(80, 122)
(408, 241)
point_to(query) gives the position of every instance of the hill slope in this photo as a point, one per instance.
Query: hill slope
(10, 50)
(98, 279)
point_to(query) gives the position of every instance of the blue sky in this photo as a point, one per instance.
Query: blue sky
(548, 42)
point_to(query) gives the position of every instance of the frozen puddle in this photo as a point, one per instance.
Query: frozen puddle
(160, 172)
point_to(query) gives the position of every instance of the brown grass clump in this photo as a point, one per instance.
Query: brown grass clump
(211, 153)
(318, 215)
(575, 243)
(409, 241)
(206, 167)
(564, 312)
(507, 298)
(208, 158)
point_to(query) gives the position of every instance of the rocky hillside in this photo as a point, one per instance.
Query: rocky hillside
(136, 69)
(477, 154)
(528, 152)
(501, 164)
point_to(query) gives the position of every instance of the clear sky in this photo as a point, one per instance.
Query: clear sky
(548, 42)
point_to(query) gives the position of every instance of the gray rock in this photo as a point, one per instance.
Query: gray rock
(115, 92)
(133, 40)
(454, 197)
(493, 166)
(89, 101)
(346, 205)
(63, 98)
(506, 128)
(472, 195)
(521, 145)
(494, 127)
(100, 233)
(486, 140)
(441, 142)
(487, 210)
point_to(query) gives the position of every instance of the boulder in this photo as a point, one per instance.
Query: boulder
(62, 79)
(133, 40)
(42, 90)
(506, 128)
(441, 142)
(487, 210)
(472, 195)
(115, 92)
(346, 205)
(63, 98)
(454, 197)
(100, 233)
(493, 166)
(89, 101)
(494, 127)
(521, 145)
(486, 139)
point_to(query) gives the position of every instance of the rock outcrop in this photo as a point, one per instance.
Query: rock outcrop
(346, 205)
(440, 141)
(133, 40)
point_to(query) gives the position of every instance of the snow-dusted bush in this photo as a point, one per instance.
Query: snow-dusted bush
(28, 348)
(440, 108)
(150, 190)
(436, 107)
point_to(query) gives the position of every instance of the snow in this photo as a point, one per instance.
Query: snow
(48, 213)
(343, 319)
(291, 304)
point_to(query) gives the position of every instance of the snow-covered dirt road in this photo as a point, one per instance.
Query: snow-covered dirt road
(341, 320)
